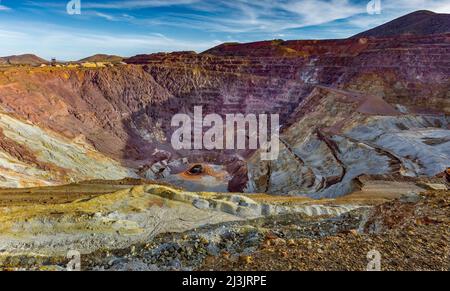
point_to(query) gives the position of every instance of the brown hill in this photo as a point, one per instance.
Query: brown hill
(26, 59)
(102, 58)
(421, 22)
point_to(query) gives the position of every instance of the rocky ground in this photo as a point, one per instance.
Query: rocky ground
(234, 242)
(409, 233)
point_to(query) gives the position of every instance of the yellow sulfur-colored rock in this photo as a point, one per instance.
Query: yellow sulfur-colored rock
(89, 65)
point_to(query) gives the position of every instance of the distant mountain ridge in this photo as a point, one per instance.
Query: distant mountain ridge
(26, 59)
(103, 58)
(418, 23)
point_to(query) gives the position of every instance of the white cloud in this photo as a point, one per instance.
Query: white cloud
(263, 16)
(135, 4)
(106, 16)
(4, 8)
(314, 12)
(244, 16)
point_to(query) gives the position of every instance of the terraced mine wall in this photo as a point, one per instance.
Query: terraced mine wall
(123, 113)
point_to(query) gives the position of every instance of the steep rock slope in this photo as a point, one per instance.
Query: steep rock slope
(95, 105)
(338, 136)
(31, 156)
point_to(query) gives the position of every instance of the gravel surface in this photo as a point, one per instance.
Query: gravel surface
(410, 233)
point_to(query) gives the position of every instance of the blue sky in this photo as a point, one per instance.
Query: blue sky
(126, 28)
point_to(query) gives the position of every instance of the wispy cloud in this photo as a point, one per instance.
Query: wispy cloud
(271, 16)
(111, 17)
(249, 16)
(244, 16)
(315, 12)
(4, 8)
(106, 16)
(135, 4)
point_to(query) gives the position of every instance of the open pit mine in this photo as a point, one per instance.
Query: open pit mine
(87, 167)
